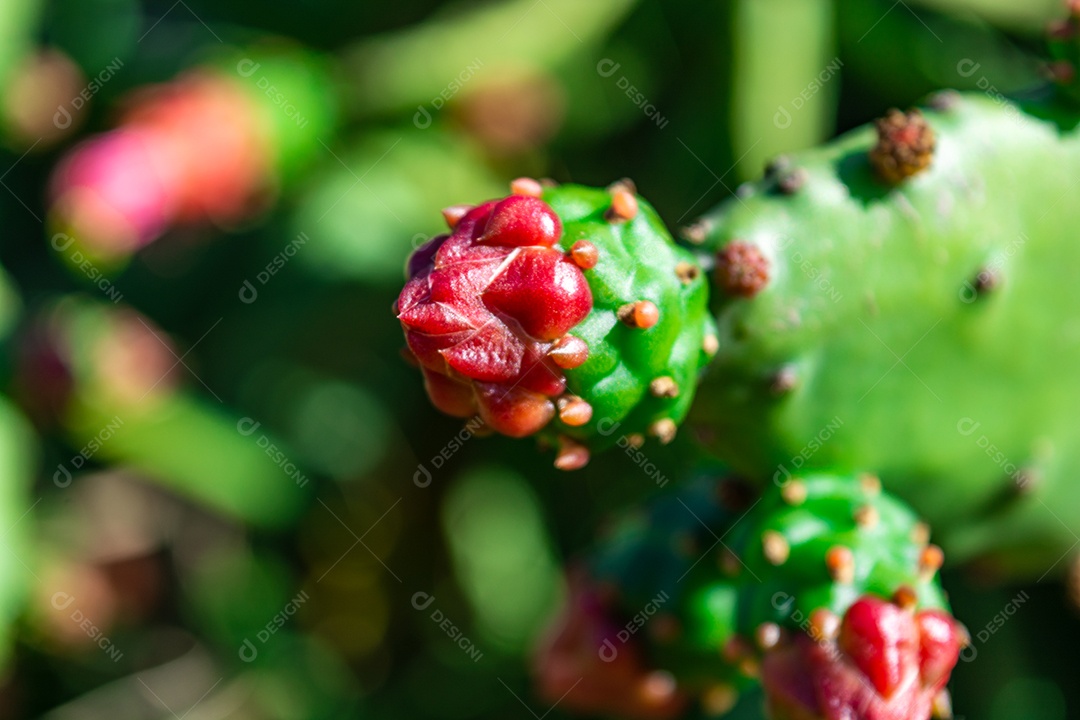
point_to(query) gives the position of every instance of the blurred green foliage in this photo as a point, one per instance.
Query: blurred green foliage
(259, 535)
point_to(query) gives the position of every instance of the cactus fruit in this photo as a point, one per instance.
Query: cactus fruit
(910, 310)
(823, 589)
(203, 147)
(559, 310)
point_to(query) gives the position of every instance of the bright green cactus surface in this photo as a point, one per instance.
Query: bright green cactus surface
(713, 564)
(638, 261)
(926, 331)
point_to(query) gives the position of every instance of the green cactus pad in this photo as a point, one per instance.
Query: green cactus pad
(562, 311)
(708, 579)
(637, 261)
(923, 329)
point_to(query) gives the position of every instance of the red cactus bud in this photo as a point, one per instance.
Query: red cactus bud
(191, 150)
(487, 311)
(886, 663)
(582, 665)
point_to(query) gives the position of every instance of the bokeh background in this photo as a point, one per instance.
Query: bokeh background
(223, 493)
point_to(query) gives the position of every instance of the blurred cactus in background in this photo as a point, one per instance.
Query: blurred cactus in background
(224, 492)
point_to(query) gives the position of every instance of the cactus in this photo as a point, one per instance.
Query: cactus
(823, 589)
(537, 313)
(896, 300)
(203, 147)
(109, 380)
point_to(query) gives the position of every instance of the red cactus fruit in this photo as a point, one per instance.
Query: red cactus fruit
(885, 663)
(582, 665)
(486, 312)
(190, 150)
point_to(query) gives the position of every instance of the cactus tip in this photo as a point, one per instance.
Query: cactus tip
(624, 204)
(527, 187)
(794, 492)
(905, 598)
(930, 561)
(792, 181)
(767, 635)
(696, 233)
(775, 547)
(871, 484)
(664, 387)
(572, 455)
(741, 269)
(569, 352)
(642, 314)
(840, 561)
(941, 708)
(867, 517)
(687, 272)
(574, 411)
(784, 381)
(454, 213)
(664, 430)
(824, 625)
(584, 254)
(920, 534)
(905, 146)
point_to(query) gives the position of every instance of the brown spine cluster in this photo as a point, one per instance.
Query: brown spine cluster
(905, 146)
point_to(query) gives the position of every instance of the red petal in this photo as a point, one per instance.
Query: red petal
(449, 395)
(939, 647)
(540, 373)
(435, 319)
(880, 639)
(519, 221)
(543, 291)
(428, 348)
(423, 258)
(490, 354)
(517, 412)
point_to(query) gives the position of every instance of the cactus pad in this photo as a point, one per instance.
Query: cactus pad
(560, 310)
(824, 589)
(918, 324)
